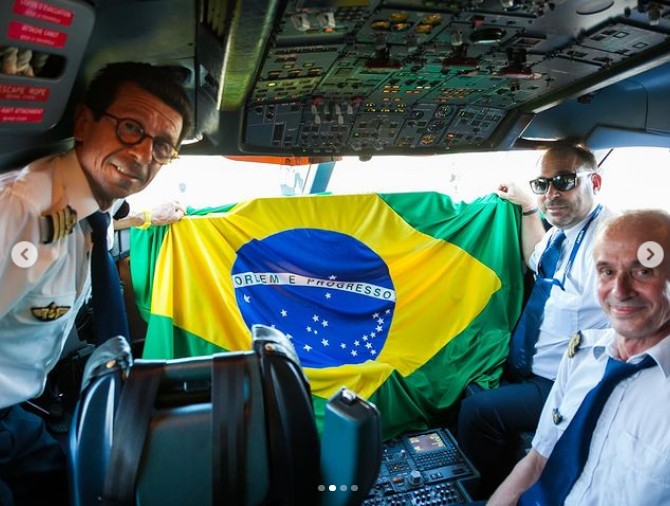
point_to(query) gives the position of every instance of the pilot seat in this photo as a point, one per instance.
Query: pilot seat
(234, 428)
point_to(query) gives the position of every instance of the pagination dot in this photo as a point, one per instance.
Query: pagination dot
(333, 488)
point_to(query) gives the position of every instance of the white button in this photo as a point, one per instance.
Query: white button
(24, 254)
(650, 254)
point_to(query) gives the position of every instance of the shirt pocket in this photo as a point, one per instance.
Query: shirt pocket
(645, 462)
(561, 313)
(46, 309)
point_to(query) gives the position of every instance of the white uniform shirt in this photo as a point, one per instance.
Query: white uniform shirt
(29, 347)
(629, 459)
(573, 308)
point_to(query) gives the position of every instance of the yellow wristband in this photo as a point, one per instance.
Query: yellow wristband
(147, 220)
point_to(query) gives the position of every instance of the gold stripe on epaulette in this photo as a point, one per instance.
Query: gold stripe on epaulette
(58, 225)
(55, 226)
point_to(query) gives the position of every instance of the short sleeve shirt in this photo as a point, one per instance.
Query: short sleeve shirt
(38, 304)
(629, 456)
(573, 307)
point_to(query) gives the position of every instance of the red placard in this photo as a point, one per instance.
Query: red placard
(24, 93)
(21, 114)
(44, 12)
(36, 34)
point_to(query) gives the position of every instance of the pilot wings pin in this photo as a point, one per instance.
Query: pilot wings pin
(49, 313)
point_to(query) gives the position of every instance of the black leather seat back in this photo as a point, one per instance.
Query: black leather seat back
(290, 424)
(206, 454)
(235, 428)
(90, 438)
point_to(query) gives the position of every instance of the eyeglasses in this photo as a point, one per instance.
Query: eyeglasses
(130, 133)
(562, 183)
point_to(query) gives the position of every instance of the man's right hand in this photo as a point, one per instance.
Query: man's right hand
(514, 194)
(167, 213)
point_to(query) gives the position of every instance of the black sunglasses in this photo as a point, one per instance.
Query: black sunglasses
(130, 133)
(562, 183)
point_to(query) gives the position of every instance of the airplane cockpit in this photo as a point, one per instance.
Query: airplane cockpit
(247, 355)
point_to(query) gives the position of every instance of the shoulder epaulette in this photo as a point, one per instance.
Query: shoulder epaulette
(55, 226)
(575, 342)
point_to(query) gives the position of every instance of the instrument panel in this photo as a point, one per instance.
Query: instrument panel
(422, 468)
(352, 77)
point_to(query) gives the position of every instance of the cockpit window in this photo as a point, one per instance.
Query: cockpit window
(632, 177)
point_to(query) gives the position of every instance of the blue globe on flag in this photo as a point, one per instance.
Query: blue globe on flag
(328, 292)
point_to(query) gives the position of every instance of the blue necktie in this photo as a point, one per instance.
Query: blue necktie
(522, 345)
(567, 460)
(109, 311)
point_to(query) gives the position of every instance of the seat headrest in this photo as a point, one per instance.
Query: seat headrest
(113, 355)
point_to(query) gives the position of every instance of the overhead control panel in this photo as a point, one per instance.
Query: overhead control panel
(352, 77)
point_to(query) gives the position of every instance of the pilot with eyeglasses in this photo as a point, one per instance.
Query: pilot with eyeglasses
(130, 124)
(562, 303)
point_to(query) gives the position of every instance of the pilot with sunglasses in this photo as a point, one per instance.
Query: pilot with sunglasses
(563, 302)
(131, 122)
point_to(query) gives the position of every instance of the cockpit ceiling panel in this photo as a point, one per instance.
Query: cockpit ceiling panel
(614, 43)
(319, 23)
(345, 77)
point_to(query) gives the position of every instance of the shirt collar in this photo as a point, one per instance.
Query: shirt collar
(659, 352)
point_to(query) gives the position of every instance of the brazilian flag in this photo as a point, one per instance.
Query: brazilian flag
(403, 298)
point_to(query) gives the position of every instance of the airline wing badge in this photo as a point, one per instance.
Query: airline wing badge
(49, 313)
